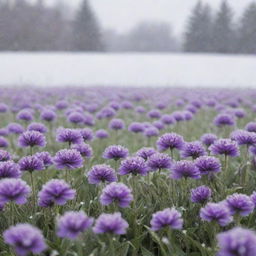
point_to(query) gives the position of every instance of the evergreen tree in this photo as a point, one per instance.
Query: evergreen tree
(223, 33)
(247, 30)
(86, 31)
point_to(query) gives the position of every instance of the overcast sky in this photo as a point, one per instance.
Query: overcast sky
(123, 14)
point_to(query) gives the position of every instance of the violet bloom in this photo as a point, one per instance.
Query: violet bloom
(159, 161)
(184, 169)
(116, 124)
(225, 147)
(188, 115)
(71, 224)
(48, 115)
(55, 192)
(216, 212)
(84, 149)
(239, 113)
(166, 218)
(3, 108)
(178, 116)
(154, 113)
(101, 134)
(4, 132)
(133, 165)
(170, 141)
(201, 194)
(31, 139)
(193, 149)
(251, 127)
(244, 137)
(31, 163)
(136, 127)
(87, 134)
(237, 242)
(151, 132)
(68, 159)
(15, 128)
(110, 223)
(38, 127)
(116, 193)
(101, 173)
(208, 139)
(253, 198)
(145, 153)
(70, 136)
(15, 190)
(158, 124)
(140, 109)
(168, 119)
(45, 157)
(115, 152)
(76, 118)
(240, 204)
(4, 156)
(25, 239)
(25, 115)
(224, 120)
(3, 142)
(208, 165)
(9, 169)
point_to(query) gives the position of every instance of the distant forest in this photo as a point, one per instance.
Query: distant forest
(37, 27)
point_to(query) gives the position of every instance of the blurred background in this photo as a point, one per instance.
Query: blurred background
(176, 40)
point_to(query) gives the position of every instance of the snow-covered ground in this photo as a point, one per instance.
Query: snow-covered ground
(58, 69)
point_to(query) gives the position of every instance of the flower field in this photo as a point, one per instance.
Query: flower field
(111, 171)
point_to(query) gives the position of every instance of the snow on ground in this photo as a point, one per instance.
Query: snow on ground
(58, 69)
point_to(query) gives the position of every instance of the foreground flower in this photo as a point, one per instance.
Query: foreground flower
(159, 161)
(240, 204)
(208, 165)
(115, 152)
(170, 141)
(45, 157)
(237, 242)
(71, 136)
(201, 194)
(166, 218)
(224, 120)
(116, 193)
(244, 137)
(101, 173)
(55, 192)
(225, 147)
(31, 163)
(110, 223)
(9, 169)
(71, 224)
(25, 239)
(145, 153)
(38, 127)
(84, 149)
(14, 190)
(216, 212)
(31, 139)
(68, 159)
(133, 165)
(4, 156)
(193, 149)
(184, 169)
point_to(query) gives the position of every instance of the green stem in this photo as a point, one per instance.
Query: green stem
(33, 191)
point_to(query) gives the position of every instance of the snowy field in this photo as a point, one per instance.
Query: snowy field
(58, 69)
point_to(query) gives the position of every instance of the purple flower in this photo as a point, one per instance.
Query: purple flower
(31, 139)
(15, 190)
(101, 173)
(31, 163)
(216, 212)
(115, 152)
(133, 165)
(158, 124)
(159, 161)
(61, 104)
(68, 159)
(4, 132)
(151, 131)
(3, 142)
(154, 113)
(110, 223)
(116, 193)
(223, 120)
(145, 153)
(140, 109)
(48, 115)
(136, 127)
(87, 134)
(4, 155)
(9, 169)
(239, 113)
(101, 134)
(45, 157)
(38, 127)
(244, 137)
(166, 218)
(170, 141)
(76, 118)
(25, 239)
(193, 149)
(251, 127)
(208, 139)
(178, 116)
(84, 149)
(168, 119)
(208, 165)
(240, 204)
(71, 136)
(184, 169)
(15, 128)
(253, 198)
(237, 242)
(225, 147)
(71, 224)
(116, 124)
(200, 194)
(55, 192)
(3, 108)
(25, 115)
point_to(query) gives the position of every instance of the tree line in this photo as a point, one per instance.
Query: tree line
(38, 27)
